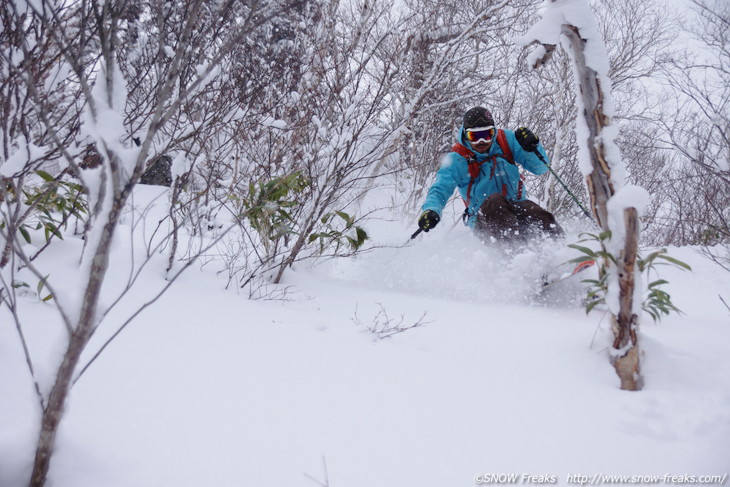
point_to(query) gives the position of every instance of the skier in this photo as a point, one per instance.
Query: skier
(490, 183)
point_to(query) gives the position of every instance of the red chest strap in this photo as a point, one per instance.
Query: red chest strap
(473, 165)
(504, 145)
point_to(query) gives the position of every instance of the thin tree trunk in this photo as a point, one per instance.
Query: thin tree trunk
(54, 409)
(626, 343)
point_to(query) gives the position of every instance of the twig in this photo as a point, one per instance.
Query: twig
(382, 325)
(723, 302)
(12, 305)
(326, 482)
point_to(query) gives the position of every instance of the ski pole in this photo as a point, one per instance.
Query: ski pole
(416, 233)
(585, 212)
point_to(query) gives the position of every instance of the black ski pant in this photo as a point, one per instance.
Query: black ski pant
(514, 221)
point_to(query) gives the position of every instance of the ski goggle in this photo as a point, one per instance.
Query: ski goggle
(479, 134)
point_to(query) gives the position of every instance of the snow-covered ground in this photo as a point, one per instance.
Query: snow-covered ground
(207, 388)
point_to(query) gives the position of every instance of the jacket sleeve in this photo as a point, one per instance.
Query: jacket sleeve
(528, 160)
(444, 185)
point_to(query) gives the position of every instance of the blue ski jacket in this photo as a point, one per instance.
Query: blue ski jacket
(496, 175)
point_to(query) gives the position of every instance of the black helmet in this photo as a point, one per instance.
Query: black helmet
(478, 117)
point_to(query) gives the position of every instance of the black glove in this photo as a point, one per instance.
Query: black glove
(428, 220)
(527, 139)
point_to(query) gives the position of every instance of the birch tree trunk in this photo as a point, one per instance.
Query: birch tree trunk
(601, 183)
(625, 349)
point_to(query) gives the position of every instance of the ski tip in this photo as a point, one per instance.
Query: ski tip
(583, 266)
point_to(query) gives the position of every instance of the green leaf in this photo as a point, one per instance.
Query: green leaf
(609, 256)
(578, 260)
(40, 285)
(73, 186)
(654, 315)
(592, 304)
(589, 236)
(24, 232)
(585, 250)
(348, 219)
(653, 255)
(362, 235)
(51, 229)
(675, 262)
(46, 177)
(658, 282)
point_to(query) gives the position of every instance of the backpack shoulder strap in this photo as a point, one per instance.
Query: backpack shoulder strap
(462, 151)
(504, 145)
(471, 161)
(507, 151)
(473, 165)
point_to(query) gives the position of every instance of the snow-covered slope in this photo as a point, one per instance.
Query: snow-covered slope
(209, 388)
